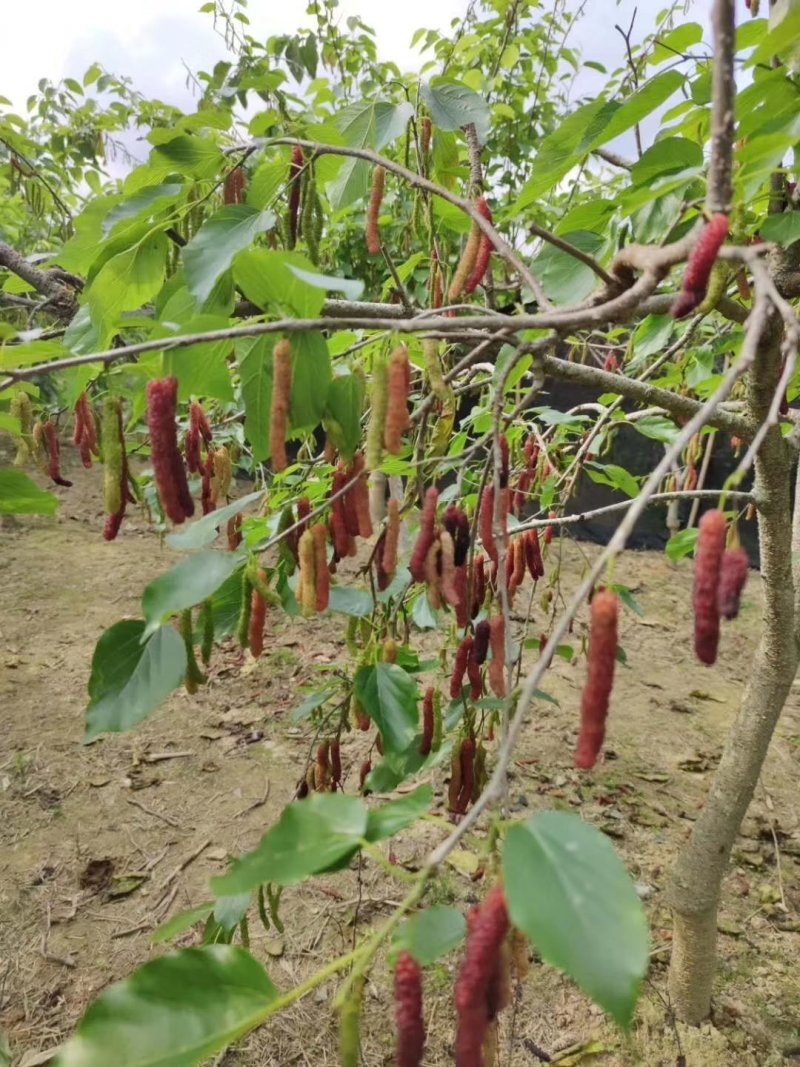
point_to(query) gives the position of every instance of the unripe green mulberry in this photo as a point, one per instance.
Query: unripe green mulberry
(112, 456)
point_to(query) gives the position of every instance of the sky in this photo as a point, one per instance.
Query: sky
(151, 40)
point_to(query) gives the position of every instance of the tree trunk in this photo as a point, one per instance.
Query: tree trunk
(694, 890)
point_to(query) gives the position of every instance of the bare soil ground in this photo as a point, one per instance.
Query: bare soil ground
(99, 844)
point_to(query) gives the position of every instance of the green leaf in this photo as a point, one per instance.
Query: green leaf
(266, 183)
(564, 278)
(187, 583)
(553, 417)
(628, 599)
(559, 151)
(265, 278)
(144, 202)
(350, 601)
(130, 679)
(389, 696)
(180, 923)
(254, 358)
(19, 495)
(311, 703)
(681, 39)
(784, 229)
(364, 124)
(638, 106)
(229, 911)
(669, 156)
(454, 105)
(397, 767)
(311, 835)
(195, 157)
(175, 1011)
(431, 933)
(651, 336)
(331, 283)
(82, 336)
(201, 369)
(311, 377)
(205, 531)
(569, 892)
(212, 249)
(226, 606)
(127, 281)
(342, 415)
(25, 355)
(616, 477)
(657, 427)
(395, 815)
(681, 544)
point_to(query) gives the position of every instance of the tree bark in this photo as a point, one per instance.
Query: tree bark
(695, 885)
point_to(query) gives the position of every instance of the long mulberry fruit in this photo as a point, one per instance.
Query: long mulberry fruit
(460, 667)
(732, 577)
(373, 211)
(426, 537)
(170, 473)
(707, 567)
(408, 1012)
(699, 267)
(484, 254)
(600, 677)
(279, 407)
(397, 418)
(497, 668)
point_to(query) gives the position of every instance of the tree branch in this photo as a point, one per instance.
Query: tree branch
(571, 250)
(502, 247)
(577, 518)
(723, 94)
(613, 158)
(47, 282)
(643, 393)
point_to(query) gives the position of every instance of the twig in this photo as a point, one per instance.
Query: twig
(256, 803)
(168, 819)
(571, 250)
(398, 283)
(183, 865)
(502, 246)
(35, 172)
(159, 757)
(146, 925)
(701, 477)
(613, 158)
(626, 36)
(44, 950)
(608, 509)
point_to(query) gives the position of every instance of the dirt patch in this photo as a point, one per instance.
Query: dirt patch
(99, 844)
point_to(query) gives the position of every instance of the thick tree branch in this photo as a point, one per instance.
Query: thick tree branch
(643, 393)
(723, 94)
(343, 315)
(47, 282)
